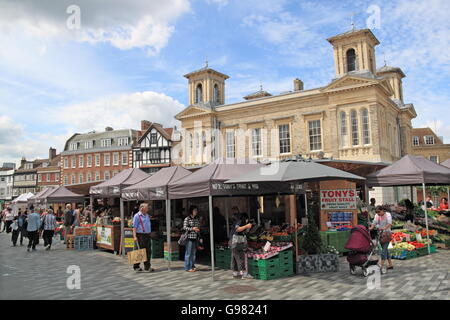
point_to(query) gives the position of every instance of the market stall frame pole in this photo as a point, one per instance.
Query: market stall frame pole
(122, 227)
(426, 215)
(168, 228)
(91, 199)
(211, 235)
(227, 214)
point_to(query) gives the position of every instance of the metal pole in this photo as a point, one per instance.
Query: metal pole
(91, 199)
(227, 214)
(426, 216)
(122, 227)
(168, 228)
(211, 236)
(306, 205)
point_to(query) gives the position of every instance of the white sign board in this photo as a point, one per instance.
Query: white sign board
(339, 199)
(104, 236)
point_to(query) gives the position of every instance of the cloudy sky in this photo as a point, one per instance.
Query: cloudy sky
(127, 60)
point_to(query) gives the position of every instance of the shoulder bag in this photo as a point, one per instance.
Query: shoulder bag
(385, 237)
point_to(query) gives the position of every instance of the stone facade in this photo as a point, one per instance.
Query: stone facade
(359, 115)
(427, 144)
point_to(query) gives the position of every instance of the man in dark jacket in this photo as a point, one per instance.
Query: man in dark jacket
(68, 220)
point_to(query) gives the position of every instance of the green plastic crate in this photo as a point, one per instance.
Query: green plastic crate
(265, 276)
(173, 256)
(286, 272)
(286, 253)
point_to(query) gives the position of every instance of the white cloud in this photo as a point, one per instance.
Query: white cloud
(124, 111)
(123, 24)
(16, 143)
(120, 112)
(220, 3)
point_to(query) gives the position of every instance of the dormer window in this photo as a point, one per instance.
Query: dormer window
(415, 141)
(429, 140)
(351, 60)
(199, 93)
(105, 143)
(89, 144)
(123, 141)
(73, 146)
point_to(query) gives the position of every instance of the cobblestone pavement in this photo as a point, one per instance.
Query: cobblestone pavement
(42, 275)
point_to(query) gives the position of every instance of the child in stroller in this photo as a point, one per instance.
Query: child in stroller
(362, 250)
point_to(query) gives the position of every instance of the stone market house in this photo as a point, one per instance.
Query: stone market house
(427, 144)
(359, 116)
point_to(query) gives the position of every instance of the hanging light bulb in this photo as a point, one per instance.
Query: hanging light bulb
(277, 201)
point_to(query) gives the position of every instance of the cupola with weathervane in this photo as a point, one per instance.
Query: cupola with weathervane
(206, 87)
(354, 52)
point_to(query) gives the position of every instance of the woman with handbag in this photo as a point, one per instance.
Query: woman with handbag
(383, 222)
(238, 245)
(191, 226)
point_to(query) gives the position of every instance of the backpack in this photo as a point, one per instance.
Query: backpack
(68, 218)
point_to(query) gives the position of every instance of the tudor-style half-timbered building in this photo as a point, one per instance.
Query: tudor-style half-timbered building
(153, 150)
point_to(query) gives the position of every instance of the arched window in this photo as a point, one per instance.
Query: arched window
(199, 93)
(365, 126)
(216, 93)
(344, 130)
(354, 122)
(197, 141)
(351, 60)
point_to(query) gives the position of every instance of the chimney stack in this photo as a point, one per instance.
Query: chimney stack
(145, 124)
(22, 162)
(298, 84)
(51, 153)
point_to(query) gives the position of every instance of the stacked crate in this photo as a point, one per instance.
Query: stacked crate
(157, 248)
(70, 241)
(84, 242)
(223, 258)
(278, 267)
(175, 253)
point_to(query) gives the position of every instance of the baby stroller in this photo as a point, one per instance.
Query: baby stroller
(362, 250)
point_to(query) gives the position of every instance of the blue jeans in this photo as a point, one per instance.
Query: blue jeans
(385, 251)
(189, 256)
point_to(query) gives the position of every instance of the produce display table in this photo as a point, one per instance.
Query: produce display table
(108, 237)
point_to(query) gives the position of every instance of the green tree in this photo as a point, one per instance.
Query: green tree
(312, 243)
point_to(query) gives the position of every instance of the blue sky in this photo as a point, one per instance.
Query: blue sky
(126, 62)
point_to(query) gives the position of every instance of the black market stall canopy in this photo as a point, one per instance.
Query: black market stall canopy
(60, 195)
(293, 171)
(410, 171)
(155, 186)
(210, 181)
(113, 187)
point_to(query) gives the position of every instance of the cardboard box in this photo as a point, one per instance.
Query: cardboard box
(173, 246)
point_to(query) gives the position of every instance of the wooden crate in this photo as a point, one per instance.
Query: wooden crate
(70, 241)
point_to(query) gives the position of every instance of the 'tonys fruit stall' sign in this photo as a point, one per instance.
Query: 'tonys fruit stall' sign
(339, 199)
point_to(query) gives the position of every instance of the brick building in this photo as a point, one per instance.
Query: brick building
(49, 172)
(426, 143)
(93, 157)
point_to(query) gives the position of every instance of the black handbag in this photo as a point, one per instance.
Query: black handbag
(183, 239)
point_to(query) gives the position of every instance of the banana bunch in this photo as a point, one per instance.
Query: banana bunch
(404, 246)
